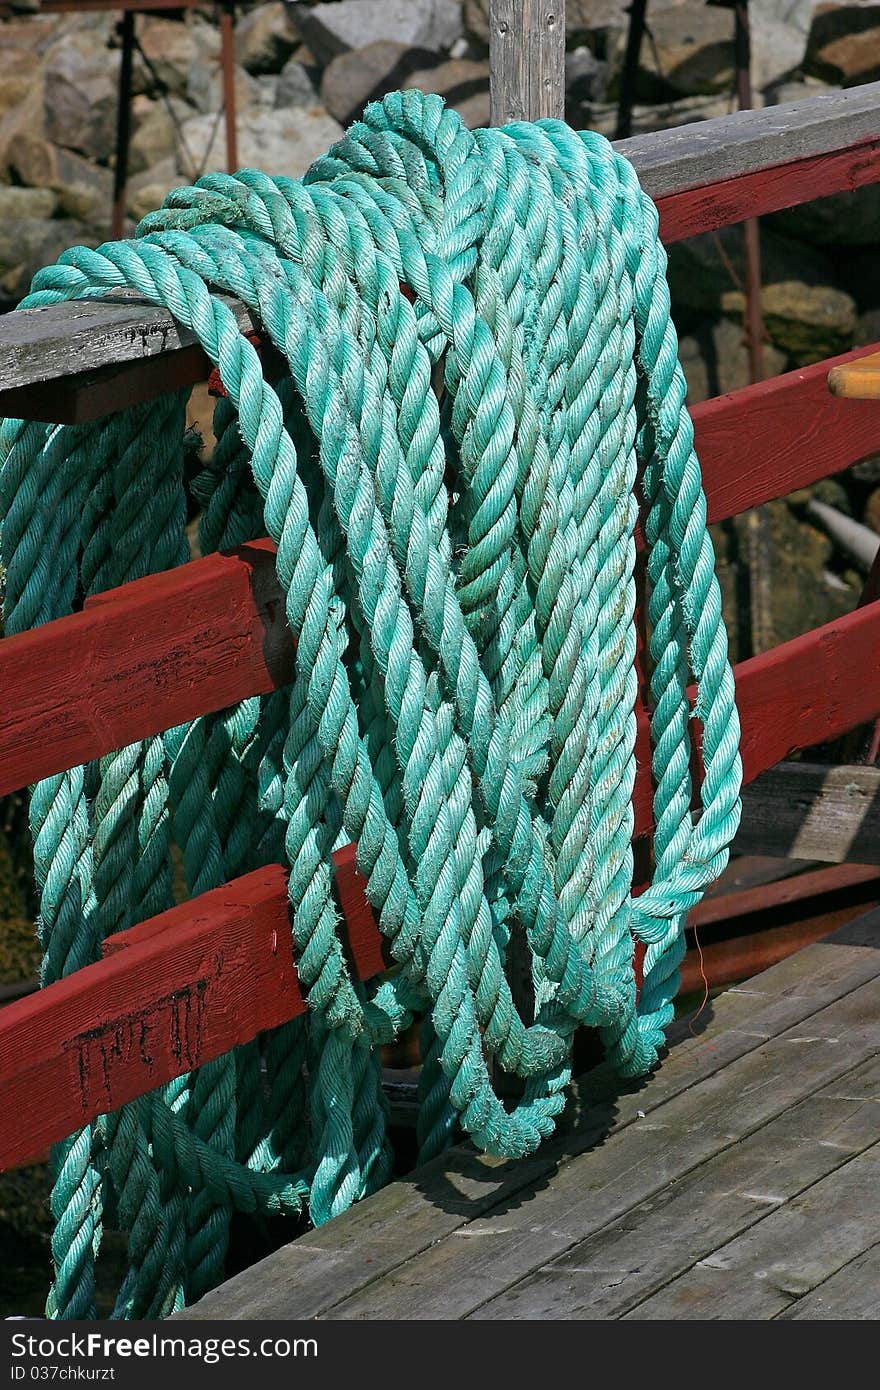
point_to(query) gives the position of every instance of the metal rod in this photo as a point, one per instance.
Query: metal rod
(635, 34)
(227, 41)
(754, 321)
(123, 126)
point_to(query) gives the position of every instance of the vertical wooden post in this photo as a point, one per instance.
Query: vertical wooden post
(526, 60)
(526, 83)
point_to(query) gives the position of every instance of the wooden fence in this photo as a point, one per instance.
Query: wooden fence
(180, 989)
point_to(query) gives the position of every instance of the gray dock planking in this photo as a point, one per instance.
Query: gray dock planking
(736, 1182)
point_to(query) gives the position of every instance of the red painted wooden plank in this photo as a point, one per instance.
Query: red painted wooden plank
(140, 659)
(721, 204)
(169, 995)
(766, 440)
(161, 650)
(184, 987)
(811, 688)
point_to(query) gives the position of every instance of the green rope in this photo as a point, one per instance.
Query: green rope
(481, 375)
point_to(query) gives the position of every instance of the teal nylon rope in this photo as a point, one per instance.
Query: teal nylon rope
(481, 379)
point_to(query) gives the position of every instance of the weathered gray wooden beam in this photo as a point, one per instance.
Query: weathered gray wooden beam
(83, 335)
(67, 340)
(747, 141)
(527, 60)
(818, 811)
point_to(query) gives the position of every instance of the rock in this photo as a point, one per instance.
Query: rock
(284, 141)
(586, 79)
(335, 28)
(147, 190)
(801, 597)
(26, 118)
(294, 86)
(602, 116)
(352, 79)
(26, 245)
(868, 471)
(156, 135)
(842, 219)
(463, 82)
(265, 37)
(18, 204)
(715, 360)
(781, 93)
(19, 69)
(777, 49)
(84, 189)
(175, 49)
(808, 322)
(690, 52)
(699, 276)
(582, 17)
(81, 82)
(844, 44)
(205, 88)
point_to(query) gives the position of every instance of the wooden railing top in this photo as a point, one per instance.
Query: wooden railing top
(748, 142)
(703, 176)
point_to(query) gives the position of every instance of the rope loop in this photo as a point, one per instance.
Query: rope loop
(472, 388)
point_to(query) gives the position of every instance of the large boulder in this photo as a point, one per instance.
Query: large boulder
(690, 52)
(156, 134)
(26, 204)
(174, 50)
(282, 141)
(265, 37)
(19, 69)
(352, 79)
(295, 86)
(842, 219)
(80, 95)
(715, 359)
(84, 190)
(463, 83)
(703, 269)
(777, 49)
(807, 322)
(329, 29)
(844, 43)
(29, 243)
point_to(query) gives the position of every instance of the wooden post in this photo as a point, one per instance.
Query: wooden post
(526, 60)
(526, 83)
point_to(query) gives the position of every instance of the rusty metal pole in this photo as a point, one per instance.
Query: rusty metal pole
(227, 58)
(123, 126)
(758, 540)
(754, 318)
(635, 34)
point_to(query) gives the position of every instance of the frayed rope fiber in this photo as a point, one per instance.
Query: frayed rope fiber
(480, 373)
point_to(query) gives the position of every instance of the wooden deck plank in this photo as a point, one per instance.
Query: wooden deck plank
(463, 1271)
(813, 811)
(309, 1276)
(852, 1294)
(623, 1264)
(765, 1271)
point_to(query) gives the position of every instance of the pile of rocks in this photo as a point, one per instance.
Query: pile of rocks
(306, 68)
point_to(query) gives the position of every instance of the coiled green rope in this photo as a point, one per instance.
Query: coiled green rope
(458, 565)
